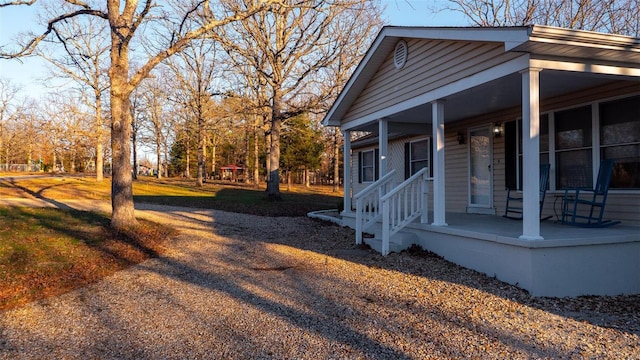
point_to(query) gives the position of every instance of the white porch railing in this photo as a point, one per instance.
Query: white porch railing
(404, 204)
(368, 204)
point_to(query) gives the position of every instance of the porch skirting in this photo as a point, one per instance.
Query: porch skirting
(568, 262)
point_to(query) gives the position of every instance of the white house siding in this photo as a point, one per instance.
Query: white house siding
(456, 171)
(395, 161)
(356, 186)
(430, 64)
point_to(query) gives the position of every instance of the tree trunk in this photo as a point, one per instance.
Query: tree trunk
(201, 152)
(256, 154)
(213, 158)
(267, 144)
(1, 143)
(99, 140)
(165, 164)
(336, 161)
(289, 180)
(273, 184)
(29, 155)
(245, 171)
(134, 147)
(72, 162)
(188, 158)
(121, 185)
(158, 161)
(306, 177)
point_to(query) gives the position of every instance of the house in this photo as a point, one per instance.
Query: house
(452, 117)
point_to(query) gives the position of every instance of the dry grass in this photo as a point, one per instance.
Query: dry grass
(47, 252)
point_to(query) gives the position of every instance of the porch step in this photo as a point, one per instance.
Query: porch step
(400, 241)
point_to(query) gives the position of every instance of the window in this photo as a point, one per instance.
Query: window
(367, 171)
(417, 156)
(544, 146)
(620, 140)
(573, 139)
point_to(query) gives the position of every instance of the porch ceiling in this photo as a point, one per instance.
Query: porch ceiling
(493, 96)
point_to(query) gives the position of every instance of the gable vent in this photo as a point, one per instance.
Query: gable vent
(400, 54)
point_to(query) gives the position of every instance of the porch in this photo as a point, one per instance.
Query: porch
(570, 261)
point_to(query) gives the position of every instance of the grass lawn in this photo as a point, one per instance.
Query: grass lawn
(47, 252)
(238, 198)
(179, 192)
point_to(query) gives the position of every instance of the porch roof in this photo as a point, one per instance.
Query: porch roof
(572, 60)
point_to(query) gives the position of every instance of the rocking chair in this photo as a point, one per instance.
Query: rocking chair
(588, 212)
(517, 208)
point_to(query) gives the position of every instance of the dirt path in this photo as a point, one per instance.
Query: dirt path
(249, 287)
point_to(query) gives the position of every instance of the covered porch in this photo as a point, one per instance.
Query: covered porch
(455, 86)
(524, 79)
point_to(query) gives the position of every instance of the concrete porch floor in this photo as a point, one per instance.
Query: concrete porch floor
(493, 227)
(550, 230)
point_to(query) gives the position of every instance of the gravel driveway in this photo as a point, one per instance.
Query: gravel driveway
(237, 286)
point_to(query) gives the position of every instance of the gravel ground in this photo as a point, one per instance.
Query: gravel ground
(237, 286)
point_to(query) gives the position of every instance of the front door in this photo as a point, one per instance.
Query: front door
(480, 171)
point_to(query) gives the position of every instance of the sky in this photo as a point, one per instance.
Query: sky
(29, 73)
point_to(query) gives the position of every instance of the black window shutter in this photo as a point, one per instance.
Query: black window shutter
(407, 160)
(359, 166)
(376, 164)
(510, 155)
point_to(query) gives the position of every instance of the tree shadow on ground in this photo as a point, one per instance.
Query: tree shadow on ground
(331, 315)
(248, 201)
(616, 312)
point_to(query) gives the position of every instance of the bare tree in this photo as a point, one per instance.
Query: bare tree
(84, 61)
(195, 70)
(75, 128)
(137, 117)
(251, 93)
(335, 159)
(125, 18)
(339, 71)
(8, 112)
(288, 48)
(156, 122)
(610, 16)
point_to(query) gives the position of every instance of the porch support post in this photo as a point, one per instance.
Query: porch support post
(531, 154)
(346, 164)
(437, 108)
(383, 141)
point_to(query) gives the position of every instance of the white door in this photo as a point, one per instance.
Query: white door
(480, 171)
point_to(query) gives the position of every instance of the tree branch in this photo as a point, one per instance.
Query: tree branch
(79, 3)
(28, 3)
(185, 40)
(31, 45)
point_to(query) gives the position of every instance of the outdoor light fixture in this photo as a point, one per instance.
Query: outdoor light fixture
(460, 137)
(497, 130)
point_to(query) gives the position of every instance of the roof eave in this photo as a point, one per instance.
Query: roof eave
(556, 35)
